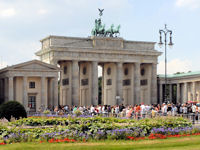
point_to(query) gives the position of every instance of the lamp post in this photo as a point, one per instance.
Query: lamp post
(165, 32)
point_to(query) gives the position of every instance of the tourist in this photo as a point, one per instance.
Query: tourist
(143, 110)
(164, 109)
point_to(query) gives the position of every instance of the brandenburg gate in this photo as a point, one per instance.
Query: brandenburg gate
(129, 68)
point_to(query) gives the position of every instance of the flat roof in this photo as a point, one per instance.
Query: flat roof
(180, 74)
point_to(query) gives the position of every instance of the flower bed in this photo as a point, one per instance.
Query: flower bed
(160, 136)
(97, 128)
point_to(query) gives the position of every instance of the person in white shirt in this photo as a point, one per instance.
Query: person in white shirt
(117, 111)
(164, 109)
(92, 110)
(193, 108)
(143, 110)
(99, 108)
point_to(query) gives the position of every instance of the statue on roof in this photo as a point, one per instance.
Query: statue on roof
(99, 29)
(100, 11)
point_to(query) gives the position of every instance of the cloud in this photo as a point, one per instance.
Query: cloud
(190, 4)
(42, 11)
(174, 66)
(8, 12)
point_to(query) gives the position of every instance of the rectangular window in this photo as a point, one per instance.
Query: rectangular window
(109, 82)
(126, 82)
(32, 103)
(143, 82)
(65, 81)
(84, 82)
(31, 85)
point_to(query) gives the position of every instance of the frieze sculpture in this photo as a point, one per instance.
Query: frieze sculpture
(99, 29)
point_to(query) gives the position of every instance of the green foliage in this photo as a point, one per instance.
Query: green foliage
(12, 109)
(97, 128)
(149, 123)
(46, 112)
(77, 113)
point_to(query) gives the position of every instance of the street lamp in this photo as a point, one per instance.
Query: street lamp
(165, 31)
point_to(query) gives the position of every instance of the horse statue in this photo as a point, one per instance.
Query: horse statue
(99, 28)
(109, 32)
(116, 31)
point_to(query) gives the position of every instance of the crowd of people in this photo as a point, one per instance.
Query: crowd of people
(137, 111)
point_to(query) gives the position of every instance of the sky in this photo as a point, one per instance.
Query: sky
(23, 23)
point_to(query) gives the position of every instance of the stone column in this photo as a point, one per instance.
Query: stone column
(170, 92)
(178, 93)
(102, 84)
(10, 89)
(1, 89)
(161, 93)
(94, 83)
(75, 83)
(154, 84)
(55, 94)
(6, 89)
(137, 83)
(25, 94)
(51, 92)
(194, 91)
(119, 74)
(185, 99)
(43, 92)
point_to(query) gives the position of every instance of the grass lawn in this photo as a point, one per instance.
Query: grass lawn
(183, 143)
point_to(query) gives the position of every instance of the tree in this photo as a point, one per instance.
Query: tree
(12, 109)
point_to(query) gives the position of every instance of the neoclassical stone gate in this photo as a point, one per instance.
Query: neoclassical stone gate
(129, 69)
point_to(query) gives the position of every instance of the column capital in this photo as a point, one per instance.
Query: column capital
(119, 63)
(75, 61)
(137, 63)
